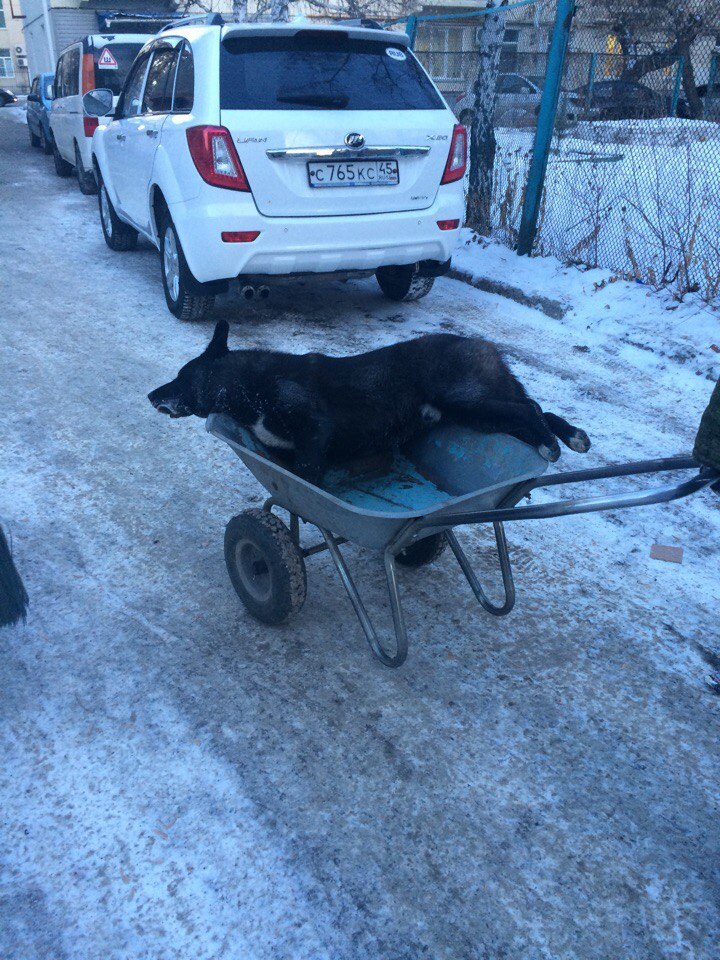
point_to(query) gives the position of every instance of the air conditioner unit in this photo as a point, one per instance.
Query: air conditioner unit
(20, 51)
(21, 61)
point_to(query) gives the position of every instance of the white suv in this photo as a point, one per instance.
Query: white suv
(245, 151)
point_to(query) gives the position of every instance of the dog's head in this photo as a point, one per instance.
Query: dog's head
(183, 396)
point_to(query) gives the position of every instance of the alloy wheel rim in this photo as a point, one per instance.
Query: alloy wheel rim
(171, 263)
(105, 211)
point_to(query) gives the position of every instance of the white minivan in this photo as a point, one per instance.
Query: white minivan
(101, 60)
(252, 150)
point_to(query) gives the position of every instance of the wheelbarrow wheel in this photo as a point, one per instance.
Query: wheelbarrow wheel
(423, 552)
(265, 565)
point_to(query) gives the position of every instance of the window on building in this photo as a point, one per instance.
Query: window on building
(509, 51)
(6, 65)
(3, 25)
(440, 51)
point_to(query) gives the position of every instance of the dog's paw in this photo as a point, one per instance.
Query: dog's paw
(551, 453)
(579, 442)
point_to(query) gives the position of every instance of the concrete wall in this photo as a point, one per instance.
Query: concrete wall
(66, 24)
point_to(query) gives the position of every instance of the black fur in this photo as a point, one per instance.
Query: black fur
(322, 410)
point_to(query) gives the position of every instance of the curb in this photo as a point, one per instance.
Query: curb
(552, 308)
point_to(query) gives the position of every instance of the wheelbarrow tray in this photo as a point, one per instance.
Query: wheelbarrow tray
(451, 477)
(449, 470)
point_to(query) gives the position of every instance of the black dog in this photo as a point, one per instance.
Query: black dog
(320, 410)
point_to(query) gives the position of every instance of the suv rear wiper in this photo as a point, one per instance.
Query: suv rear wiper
(337, 101)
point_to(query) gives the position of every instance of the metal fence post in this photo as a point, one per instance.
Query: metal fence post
(676, 88)
(411, 30)
(545, 125)
(710, 84)
(591, 83)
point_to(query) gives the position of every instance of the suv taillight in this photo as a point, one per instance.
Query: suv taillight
(457, 157)
(215, 157)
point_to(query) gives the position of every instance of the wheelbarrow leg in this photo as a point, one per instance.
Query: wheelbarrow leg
(398, 619)
(505, 569)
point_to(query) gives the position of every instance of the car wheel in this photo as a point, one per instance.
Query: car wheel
(86, 181)
(45, 144)
(265, 565)
(34, 138)
(118, 235)
(403, 283)
(183, 294)
(62, 167)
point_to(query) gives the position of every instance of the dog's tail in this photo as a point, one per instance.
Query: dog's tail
(13, 595)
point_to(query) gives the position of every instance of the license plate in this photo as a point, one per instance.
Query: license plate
(354, 173)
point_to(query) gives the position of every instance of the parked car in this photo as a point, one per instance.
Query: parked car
(517, 102)
(710, 105)
(38, 111)
(620, 100)
(6, 97)
(252, 150)
(95, 61)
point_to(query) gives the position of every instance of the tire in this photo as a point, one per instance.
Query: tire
(45, 144)
(118, 235)
(183, 294)
(34, 138)
(423, 552)
(403, 283)
(266, 567)
(86, 181)
(62, 167)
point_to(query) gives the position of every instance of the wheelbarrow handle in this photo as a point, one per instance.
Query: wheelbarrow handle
(564, 508)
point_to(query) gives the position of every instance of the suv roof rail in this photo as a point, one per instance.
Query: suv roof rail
(209, 19)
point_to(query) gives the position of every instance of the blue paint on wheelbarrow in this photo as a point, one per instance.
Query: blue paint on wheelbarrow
(447, 470)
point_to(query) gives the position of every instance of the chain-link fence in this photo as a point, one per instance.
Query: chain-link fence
(633, 175)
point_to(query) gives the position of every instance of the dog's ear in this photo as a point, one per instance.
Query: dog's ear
(218, 345)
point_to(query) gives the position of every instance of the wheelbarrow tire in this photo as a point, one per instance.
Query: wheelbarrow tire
(265, 565)
(423, 552)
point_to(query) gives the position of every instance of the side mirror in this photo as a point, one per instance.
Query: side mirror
(98, 103)
(33, 98)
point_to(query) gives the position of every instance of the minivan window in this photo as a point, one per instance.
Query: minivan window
(315, 70)
(71, 72)
(158, 89)
(184, 82)
(113, 78)
(58, 77)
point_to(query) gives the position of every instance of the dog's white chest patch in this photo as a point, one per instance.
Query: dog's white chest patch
(269, 438)
(429, 413)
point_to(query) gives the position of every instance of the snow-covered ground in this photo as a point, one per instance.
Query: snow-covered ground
(180, 781)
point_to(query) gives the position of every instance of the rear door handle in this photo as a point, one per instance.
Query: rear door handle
(151, 133)
(120, 136)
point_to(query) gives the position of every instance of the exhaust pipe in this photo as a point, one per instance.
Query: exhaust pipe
(248, 292)
(263, 292)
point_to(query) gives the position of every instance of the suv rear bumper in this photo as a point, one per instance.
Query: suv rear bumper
(288, 245)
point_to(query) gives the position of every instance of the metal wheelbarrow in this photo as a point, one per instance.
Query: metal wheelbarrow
(407, 509)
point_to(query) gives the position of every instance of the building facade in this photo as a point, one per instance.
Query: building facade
(14, 71)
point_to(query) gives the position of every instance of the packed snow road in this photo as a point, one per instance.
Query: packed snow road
(182, 782)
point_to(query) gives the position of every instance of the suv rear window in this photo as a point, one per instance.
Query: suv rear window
(124, 55)
(313, 70)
